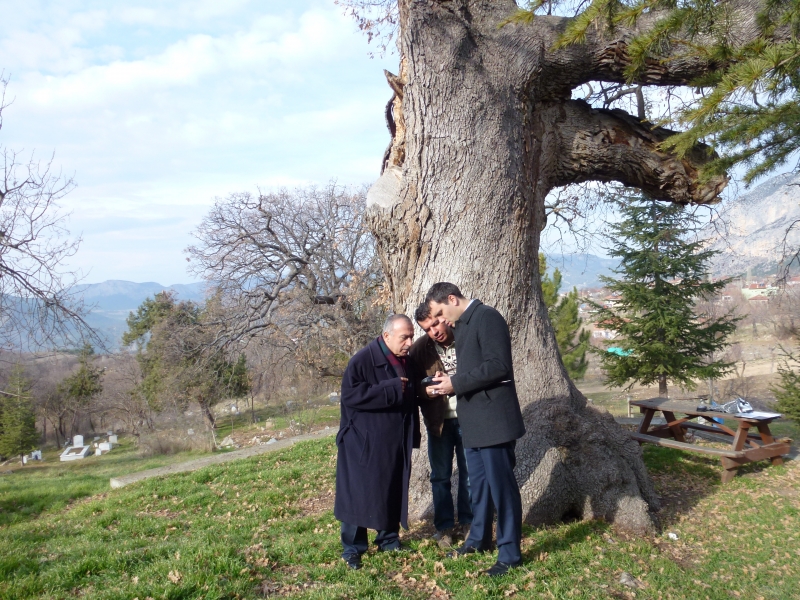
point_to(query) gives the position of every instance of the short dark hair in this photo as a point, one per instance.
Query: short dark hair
(440, 291)
(423, 312)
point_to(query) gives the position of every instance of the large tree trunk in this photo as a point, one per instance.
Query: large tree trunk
(487, 131)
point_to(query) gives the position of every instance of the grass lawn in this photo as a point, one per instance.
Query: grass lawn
(305, 418)
(264, 527)
(51, 485)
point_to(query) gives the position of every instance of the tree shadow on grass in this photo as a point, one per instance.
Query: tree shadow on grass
(681, 479)
(563, 537)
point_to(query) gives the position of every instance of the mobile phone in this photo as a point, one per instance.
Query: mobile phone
(429, 381)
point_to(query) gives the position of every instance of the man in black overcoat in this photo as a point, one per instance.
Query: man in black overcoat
(379, 427)
(490, 418)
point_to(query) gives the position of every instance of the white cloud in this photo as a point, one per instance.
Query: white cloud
(158, 110)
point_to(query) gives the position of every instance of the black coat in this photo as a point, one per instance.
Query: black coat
(488, 407)
(378, 429)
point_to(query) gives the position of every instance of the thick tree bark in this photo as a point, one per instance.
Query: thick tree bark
(488, 130)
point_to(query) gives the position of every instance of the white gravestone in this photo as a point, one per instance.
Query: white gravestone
(104, 446)
(75, 453)
(112, 439)
(77, 441)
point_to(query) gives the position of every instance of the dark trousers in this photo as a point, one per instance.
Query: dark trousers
(492, 482)
(440, 452)
(354, 539)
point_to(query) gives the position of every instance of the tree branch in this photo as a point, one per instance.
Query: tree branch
(611, 145)
(604, 54)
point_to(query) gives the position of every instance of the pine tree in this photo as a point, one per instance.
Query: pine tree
(18, 433)
(662, 276)
(787, 391)
(84, 384)
(179, 360)
(573, 341)
(750, 105)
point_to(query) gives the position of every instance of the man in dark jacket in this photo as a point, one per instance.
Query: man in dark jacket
(490, 417)
(379, 427)
(434, 354)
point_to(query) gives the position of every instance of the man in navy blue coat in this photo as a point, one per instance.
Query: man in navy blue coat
(490, 419)
(379, 427)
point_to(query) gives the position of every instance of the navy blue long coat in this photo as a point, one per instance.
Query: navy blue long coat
(379, 427)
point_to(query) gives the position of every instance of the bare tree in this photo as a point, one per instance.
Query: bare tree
(121, 401)
(37, 305)
(302, 263)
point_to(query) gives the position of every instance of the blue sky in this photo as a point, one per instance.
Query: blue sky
(158, 107)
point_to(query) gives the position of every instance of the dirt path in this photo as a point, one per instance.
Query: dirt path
(215, 459)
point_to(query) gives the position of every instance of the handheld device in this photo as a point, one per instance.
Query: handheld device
(428, 381)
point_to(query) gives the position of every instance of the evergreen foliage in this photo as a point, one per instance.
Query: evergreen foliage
(149, 317)
(84, 384)
(750, 104)
(18, 433)
(178, 359)
(662, 276)
(573, 341)
(787, 391)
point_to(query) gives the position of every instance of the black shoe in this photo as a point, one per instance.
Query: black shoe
(353, 561)
(399, 548)
(463, 551)
(498, 569)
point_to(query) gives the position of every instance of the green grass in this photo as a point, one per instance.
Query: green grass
(51, 485)
(614, 402)
(280, 417)
(263, 526)
(785, 428)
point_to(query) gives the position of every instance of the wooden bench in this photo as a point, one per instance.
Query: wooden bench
(667, 443)
(745, 446)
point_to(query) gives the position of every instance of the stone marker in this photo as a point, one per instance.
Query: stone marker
(77, 441)
(104, 446)
(75, 453)
(112, 439)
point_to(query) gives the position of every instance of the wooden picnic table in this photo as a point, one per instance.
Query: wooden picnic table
(745, 446)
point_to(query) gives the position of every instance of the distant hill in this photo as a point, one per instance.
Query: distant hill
(580, 270)
(112, 301)
(750, 230)
(115, 294)
(748, 233)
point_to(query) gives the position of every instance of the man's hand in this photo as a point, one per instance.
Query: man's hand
(403, 382)
(443, 388)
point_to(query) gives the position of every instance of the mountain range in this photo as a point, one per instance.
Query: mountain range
(750, 230)
(580, 270)
(112, 301)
